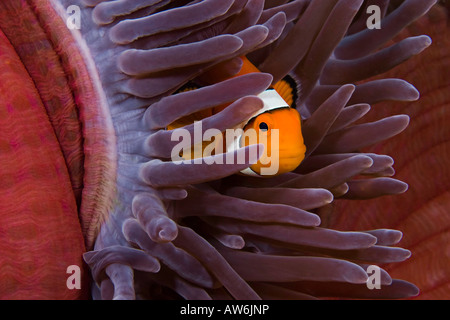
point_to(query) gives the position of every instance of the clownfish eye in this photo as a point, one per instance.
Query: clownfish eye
(263, 126)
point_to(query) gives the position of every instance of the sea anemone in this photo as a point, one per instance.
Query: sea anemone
(421, 213)
(157, 229)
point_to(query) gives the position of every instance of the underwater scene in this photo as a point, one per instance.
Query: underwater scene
(224, 150)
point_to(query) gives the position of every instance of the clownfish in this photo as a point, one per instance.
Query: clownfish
(277, 113)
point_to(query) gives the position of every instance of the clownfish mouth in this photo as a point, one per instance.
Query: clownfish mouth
(292, 154)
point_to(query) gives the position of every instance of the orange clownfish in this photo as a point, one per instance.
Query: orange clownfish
(277, 126)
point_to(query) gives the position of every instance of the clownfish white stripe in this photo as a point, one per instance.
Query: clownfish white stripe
(272, 100)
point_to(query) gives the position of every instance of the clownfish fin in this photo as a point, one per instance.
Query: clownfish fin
(188, 87)
(289, 89)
